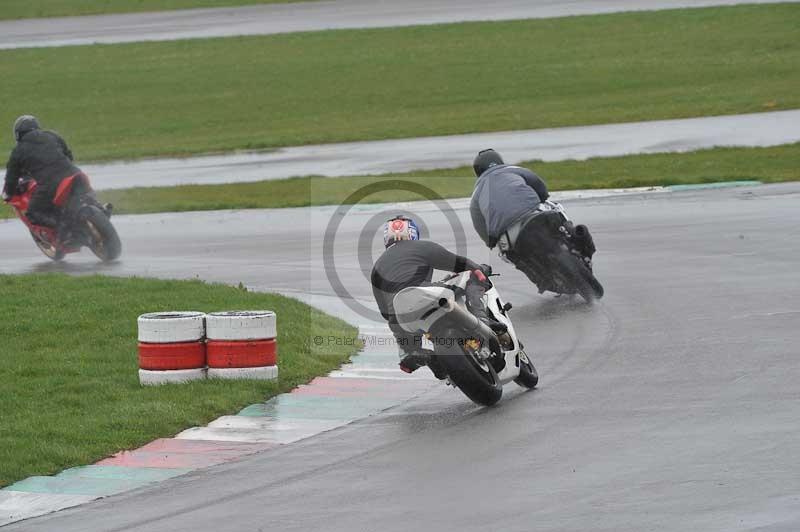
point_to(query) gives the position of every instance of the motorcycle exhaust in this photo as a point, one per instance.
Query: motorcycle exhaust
(466, 320)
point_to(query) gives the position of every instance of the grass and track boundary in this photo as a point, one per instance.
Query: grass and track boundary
(187, 97)
(69, 379)
(768, 165)
(18, 9)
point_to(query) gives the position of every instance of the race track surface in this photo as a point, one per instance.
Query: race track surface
(307, 16)
(405, 155)
(671, 405)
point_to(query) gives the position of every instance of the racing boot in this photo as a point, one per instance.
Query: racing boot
(584, 243)
(476, 288)
(414, 360)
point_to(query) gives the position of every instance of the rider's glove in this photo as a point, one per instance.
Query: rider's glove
(5, 196)
(486, 269)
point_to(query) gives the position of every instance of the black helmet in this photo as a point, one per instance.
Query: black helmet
(485, 160)
(24, 124)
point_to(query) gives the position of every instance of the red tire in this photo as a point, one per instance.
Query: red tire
(251, 354)
(184, 355)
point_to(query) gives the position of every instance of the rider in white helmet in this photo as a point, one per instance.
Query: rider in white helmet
(409, 261)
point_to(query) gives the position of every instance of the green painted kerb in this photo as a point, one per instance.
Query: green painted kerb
(96, 480)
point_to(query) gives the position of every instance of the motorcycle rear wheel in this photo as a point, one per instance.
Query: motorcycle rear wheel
(577, 274)
(477, 380)
(103, 238)
(50, 251)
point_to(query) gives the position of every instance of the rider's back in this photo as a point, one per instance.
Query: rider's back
(410, 263)
(502, 196)
(42, 155)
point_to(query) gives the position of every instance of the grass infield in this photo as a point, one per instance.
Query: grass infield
(217, 95)
(69, 381)
(14, 9)
(770, 165)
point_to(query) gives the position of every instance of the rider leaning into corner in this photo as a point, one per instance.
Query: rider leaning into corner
(505, 206)
(44, 156)
(409, 261)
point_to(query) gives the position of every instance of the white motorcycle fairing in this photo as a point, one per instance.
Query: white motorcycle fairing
(422, 309)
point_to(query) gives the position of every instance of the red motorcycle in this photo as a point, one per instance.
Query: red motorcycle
(83, 221)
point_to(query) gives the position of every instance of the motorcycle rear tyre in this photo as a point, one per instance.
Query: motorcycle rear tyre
(109, 246)
(480, 384)
(579, 276)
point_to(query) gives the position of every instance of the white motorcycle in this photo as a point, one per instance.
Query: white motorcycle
(477, 361)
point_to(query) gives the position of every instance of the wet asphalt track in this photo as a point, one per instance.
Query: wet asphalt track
(672, 405)
(406, 155)
(306, 16)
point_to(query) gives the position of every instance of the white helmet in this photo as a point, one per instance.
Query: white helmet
(399, 228)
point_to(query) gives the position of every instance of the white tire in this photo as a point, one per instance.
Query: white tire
(241, 325)
(151, 378)
(266, 373)
(171, 327)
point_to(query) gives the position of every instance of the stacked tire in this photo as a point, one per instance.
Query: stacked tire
(242, 345)
(171, 347)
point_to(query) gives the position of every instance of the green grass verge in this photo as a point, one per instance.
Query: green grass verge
(14, 9)
(69, 378)
(770, 165)
(132, 100)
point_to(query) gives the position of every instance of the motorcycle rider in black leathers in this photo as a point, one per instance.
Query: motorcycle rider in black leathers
(505, 205)
(409, 262)
(43, 156)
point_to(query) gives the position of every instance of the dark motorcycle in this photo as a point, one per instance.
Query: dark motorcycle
(560, 262)
(83, 221)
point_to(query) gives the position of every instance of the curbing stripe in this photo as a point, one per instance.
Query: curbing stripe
(18, 505)
(112, 472)
(321, 408)
(96, 480)
(264, 433)
(179, 454)
(367, 386)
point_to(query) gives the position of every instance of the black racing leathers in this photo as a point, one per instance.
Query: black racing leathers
(45, 157)
(405, 264)
(540, 238)
(537, 239)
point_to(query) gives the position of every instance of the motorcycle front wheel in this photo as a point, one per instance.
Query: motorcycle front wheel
(475, 377)
(528, 376)
(49, 249)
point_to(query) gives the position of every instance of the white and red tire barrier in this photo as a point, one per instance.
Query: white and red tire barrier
(171, 347)
(242, 345)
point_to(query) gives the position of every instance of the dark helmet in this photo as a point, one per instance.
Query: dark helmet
(24, 124)
(485, 160)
